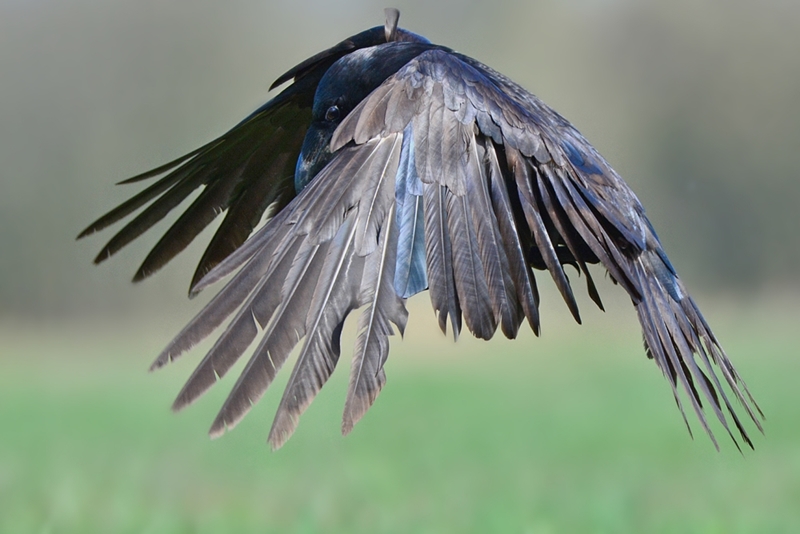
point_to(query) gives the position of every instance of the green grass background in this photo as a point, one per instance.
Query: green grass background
(573, 432)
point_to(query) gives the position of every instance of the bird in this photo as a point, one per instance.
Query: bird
(389, 166)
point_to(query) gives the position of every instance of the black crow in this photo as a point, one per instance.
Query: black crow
(392, 165)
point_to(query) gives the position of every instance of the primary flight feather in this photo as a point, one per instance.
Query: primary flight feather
(389, 166)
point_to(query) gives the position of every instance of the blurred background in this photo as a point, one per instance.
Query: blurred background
(694, 102)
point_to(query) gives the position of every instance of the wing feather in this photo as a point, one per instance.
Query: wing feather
(568, 234)
(525, 175)
(377, 196)
(439, 257)
(156, 211)
(410, 275)
(256, 312)
(519, 262)
(335, 296)
(502, 293)
(468, 271)
(197, 216)
(287, 327)
(129, 206)
(239, 163)
(372, 345)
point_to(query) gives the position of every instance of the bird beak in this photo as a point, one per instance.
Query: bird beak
(314, 155)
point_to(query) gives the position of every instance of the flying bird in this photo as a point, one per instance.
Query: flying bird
(389, 166)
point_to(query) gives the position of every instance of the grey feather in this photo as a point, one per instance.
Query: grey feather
(429, 132)
(377, 195)
(243, 329)
(452, 151)
(439, 256)
(561, 222)
(523, 173)
(372, 345)
(519, 264)
(502, 293)
(468, 270)
(245, 283)
(267, 237)
(336, 294)
(280, 337)
(592, 232)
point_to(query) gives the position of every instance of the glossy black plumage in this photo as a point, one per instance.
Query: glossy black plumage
(391, 165)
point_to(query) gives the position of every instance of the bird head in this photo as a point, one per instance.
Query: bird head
(345, 84)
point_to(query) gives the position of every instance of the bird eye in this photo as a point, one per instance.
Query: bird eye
(332, 114)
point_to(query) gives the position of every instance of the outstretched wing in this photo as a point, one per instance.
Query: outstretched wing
(330, 251)
(244, 173)
(523, 187)
(452, 178)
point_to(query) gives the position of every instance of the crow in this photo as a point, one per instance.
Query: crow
(391, 165)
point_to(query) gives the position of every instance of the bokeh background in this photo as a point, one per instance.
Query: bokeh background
(695, 103)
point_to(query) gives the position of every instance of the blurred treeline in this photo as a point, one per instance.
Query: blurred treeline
(695, 102)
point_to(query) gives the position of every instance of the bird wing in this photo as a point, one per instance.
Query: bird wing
(452, 178)
(508, 183)
(330, 251)
(237, 172)
(246, 172)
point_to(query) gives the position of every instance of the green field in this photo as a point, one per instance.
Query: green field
(574, 432)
